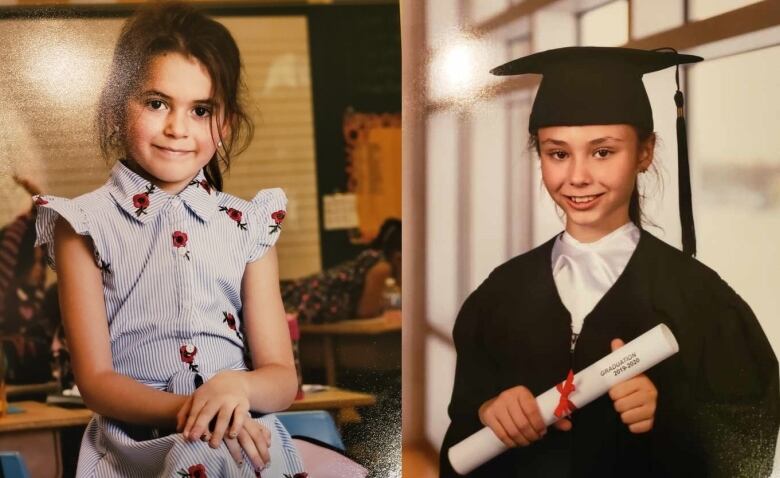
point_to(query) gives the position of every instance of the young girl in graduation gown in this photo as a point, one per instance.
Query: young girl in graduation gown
(710, 410)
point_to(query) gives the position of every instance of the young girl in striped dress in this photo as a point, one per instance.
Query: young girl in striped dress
(164, 279)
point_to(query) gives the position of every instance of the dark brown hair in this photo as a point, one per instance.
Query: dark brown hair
(634, 205)
(174, 27)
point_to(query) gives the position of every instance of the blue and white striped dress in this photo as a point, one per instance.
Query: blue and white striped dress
(172, 267)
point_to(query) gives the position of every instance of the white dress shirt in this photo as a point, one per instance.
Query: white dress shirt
(584, 272)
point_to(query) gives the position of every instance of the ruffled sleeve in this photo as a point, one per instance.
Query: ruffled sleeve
(49, 209)
(270, 208)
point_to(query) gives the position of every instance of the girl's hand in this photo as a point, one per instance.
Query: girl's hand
(515, 419)
(254, 439)
(221, 402)
(635, 399)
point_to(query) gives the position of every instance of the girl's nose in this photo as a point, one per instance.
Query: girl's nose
(579, 174)
(176, 125)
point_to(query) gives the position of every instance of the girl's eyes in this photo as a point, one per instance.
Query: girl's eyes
(155, 104)
(202, 112)
(561, 155)
(558, 155)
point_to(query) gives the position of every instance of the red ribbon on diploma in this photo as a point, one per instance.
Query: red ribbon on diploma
(565, 406)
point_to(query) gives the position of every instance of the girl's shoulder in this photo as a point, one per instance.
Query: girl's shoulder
(84, 214)
(687, 274)
(92, 201)
(265, 199)
(525, 268)
(262, 216)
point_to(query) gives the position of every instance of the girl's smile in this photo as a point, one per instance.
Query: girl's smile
(172, 131)
(583, 202)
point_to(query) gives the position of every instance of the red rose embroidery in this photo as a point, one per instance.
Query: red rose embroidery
(195, 471)
(39, 201)
(180, 243)
(187, 354)
(202, 183)
(235, 215)
(179, 239)
(141, 201)
(277, 217)
(230, 320)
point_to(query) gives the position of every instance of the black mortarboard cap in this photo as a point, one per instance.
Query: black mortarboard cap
(603, 85)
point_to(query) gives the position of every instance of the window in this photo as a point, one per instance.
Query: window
(605, 26)
(653, 16)
(701, 9)
(736, 173)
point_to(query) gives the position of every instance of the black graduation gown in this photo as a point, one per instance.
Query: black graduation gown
(718, 405)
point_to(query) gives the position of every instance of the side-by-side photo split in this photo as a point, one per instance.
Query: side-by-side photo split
(389, 238)
(590, 199)
(200, 253)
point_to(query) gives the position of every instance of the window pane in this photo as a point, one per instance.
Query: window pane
(701, 9)
(439, 377)
(442, 221)
(488, 182)
(481, 10)
(653, 16)
(736, 168)
(605, 26)
(521, 164)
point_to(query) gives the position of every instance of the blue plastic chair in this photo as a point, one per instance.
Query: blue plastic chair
(13, 465)
(317, 424)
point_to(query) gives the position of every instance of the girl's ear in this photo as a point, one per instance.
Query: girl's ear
(646, 153)
(225, 127)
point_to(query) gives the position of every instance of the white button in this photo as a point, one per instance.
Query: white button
(189, 348)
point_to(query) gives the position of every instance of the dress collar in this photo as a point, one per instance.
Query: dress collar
(143, 200)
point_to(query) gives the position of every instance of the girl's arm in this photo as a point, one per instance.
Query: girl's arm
(86, 326)
(272, 385)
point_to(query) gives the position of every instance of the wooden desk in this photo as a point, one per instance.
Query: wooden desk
(390, 322)
(38, 416)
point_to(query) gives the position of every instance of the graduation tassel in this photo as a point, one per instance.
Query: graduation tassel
(684, 174)
(683, 168)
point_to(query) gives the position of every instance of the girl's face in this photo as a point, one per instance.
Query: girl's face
(171, 131)
(590, 172)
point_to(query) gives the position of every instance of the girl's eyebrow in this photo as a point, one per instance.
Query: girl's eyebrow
(592, 142)
(207, 101)
(604, 139)
(555, 141)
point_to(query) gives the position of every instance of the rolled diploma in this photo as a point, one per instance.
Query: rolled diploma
(628, 361)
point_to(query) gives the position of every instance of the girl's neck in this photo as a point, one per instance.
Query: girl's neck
(170, 188)
(588, 234)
